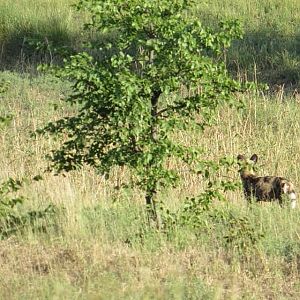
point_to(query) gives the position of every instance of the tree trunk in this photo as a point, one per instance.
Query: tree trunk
(151, 191)
(151, 205)
(154, 107)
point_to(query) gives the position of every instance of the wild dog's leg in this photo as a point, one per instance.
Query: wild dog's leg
(280, 201)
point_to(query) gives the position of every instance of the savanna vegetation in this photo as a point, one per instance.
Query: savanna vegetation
(81, 235)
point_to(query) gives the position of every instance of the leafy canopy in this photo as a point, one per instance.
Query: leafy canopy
(131, 87)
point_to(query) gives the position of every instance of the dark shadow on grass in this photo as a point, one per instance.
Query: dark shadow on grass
(267, 56)
(25, 48)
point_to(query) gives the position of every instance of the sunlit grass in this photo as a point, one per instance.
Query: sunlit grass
(100, 245)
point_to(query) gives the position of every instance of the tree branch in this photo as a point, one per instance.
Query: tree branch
(172, 108)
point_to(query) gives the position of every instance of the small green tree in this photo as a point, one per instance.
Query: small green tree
(127, 89)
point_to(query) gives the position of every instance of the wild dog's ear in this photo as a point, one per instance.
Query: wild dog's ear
(241, 157)
(254, 158)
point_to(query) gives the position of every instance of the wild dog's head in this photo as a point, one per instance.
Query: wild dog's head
(247, 166)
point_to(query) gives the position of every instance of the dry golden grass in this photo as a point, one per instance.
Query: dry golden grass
(100, 249)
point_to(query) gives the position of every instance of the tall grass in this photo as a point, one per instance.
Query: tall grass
(53, 22)
(269, 50)
(100, 247)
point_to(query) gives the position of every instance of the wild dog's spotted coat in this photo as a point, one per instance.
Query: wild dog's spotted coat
(265, 188)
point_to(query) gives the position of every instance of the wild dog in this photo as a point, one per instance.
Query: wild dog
(264, 188)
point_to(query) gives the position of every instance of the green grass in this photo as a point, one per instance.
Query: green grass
(98, 246)
(268, 52)
(22, 22)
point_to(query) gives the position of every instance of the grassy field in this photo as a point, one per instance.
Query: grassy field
(98, 246)
(268, 52)
(271, 44)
